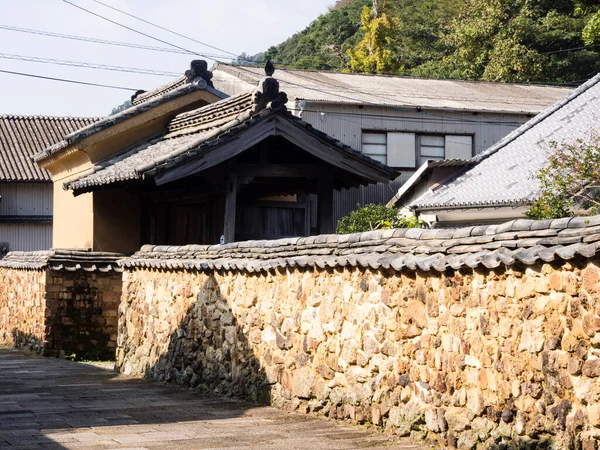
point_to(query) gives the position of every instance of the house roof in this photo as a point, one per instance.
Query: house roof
(195, 134)
(517, 242)
(504, 175)
(23, 136)
(142, 102)
(409, 92)
(423, 171)
(69, 260)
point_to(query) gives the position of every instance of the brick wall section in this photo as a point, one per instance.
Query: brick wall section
(60, 313)
(22, 309)
(466, 358)
(82, 317)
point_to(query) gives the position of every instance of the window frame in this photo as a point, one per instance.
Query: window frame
(418, 135)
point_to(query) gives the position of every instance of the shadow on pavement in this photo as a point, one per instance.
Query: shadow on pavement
(42, 400)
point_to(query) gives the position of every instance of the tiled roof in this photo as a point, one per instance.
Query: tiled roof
(192, 133)
(520, 241)
(23, 136)
(135, 110)
(69, 260)
(397, 91)
(504, 175)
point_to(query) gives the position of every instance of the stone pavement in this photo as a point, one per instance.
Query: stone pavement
(53, 404)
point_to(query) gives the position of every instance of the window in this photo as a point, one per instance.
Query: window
(431, 148)
(374, 145)
(411, 150)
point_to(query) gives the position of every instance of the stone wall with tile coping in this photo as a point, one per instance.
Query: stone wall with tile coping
(58, 309)
(469, 357)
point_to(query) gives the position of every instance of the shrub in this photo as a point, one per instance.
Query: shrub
(375, 217)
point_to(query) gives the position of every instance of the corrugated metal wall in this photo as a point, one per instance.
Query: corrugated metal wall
(26, 237)
(346, 123)
(26, 199)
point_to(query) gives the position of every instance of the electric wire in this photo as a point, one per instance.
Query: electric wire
(87, 65)
(132, 29)
(98, 41)
(362, 101)
(64, 80)
(163, 28)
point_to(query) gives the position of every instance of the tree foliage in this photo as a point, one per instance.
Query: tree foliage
(495, 40)
(323, 44)
(122, 107)
(570, 183)
(375, 217)
(374, 53)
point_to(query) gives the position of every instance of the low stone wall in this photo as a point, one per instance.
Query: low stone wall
(23, 309)
(463, 358)
(52, 305)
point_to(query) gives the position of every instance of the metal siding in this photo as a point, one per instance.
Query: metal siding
(26, 237)
(348, 128)
(26, 199)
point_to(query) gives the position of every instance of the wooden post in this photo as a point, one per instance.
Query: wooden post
(230, 207)
(325, 206)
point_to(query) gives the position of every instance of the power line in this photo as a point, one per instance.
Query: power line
(238, 67)
(132, 29)
(64, 80)
(97, 41)
(163, 28)
(87, 65)
(584, 47)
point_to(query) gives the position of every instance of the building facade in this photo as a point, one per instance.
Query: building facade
(26, 204)
(400, 121)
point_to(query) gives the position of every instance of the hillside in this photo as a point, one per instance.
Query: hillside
(323, 44)
(555, 41)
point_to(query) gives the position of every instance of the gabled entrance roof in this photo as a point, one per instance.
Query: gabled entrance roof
(203, 138)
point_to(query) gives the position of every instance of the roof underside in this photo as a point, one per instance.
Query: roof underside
(333, 87)
(505, 175)
(23, 136)
(205, 134)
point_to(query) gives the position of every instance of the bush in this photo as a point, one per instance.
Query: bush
(375, 217)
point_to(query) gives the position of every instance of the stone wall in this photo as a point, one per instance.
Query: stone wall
(486, 358)
(23, 309)
(59, 308)
(81, 320)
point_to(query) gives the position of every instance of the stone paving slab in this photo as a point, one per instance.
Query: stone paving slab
(51, 404)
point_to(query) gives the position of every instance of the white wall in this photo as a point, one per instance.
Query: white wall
(26, 199)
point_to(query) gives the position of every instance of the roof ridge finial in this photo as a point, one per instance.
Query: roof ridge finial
(199, 70)
(269, 68)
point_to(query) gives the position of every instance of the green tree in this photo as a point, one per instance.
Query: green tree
(323, 44)
(374, 53)
(518, 40)
(570, 183)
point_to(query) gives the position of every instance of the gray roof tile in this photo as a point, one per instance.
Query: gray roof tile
(504, 175)
(398, 91)
(21, 137)
(380, 249)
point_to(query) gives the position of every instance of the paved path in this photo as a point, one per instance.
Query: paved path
(53, 404)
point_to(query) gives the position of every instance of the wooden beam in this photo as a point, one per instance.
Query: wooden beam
(280, 170)
(325, 206)
(216, 154)
(230, 207)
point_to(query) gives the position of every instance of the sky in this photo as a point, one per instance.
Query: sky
(236, 26)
